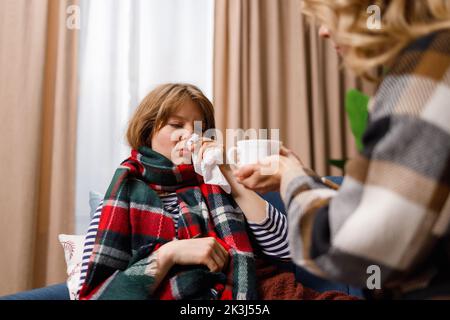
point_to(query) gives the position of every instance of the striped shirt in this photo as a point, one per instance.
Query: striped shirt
(270, 234)
(170, 203)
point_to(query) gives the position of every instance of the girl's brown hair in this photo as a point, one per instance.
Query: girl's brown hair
(156, 108)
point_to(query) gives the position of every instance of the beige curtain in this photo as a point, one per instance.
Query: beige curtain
(271, 70)
(38, 105)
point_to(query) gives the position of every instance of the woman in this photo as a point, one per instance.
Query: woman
(163, 232)
(388, 225)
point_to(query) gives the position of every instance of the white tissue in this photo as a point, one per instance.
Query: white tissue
(209, 168)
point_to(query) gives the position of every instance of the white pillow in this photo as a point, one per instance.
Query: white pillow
(73, 252)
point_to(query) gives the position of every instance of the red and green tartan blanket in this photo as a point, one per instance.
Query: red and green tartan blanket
(133, 225)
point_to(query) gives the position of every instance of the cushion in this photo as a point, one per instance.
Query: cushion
(78, 248)
(73, 251)
(94, 200)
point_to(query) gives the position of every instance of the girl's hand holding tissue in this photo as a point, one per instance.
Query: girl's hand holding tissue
(199, 146)
(207, 158)
(219, 173)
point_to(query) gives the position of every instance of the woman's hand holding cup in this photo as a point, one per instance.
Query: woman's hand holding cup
(265, 175)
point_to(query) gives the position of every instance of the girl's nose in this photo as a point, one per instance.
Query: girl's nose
(186, 134)
(324, 32)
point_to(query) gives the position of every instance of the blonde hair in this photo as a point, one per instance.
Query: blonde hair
(402, 21)
(156, 108)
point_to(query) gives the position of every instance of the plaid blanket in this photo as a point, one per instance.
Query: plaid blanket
(133, 225)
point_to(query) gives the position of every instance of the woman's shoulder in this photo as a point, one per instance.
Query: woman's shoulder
(427, 56)
(419, 73)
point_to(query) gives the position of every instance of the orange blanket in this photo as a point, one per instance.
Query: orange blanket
(274, 284)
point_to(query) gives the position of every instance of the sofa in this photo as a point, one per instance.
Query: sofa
(61, 292)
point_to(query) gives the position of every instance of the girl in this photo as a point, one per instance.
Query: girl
(163, 233)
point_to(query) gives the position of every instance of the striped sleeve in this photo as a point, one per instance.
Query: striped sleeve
(89, 244)
(393, 207)
(271, 233)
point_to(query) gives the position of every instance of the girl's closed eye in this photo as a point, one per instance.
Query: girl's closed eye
(176, 125)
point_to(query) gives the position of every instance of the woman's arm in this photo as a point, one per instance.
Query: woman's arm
(389, 212)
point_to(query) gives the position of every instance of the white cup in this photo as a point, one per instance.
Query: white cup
(255, 150)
